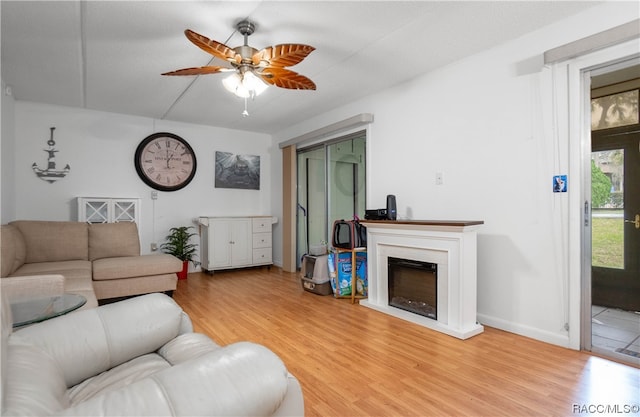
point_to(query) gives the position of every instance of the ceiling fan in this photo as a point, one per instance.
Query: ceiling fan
(252, 67)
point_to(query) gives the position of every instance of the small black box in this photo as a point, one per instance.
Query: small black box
(375, 214)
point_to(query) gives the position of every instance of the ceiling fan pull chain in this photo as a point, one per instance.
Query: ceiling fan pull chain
(245, 113)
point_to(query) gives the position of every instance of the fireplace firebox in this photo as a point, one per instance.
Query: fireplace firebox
(413, 286)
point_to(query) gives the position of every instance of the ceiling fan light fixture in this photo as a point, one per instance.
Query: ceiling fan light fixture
(244, 85)
(253, 83)
(232, 83)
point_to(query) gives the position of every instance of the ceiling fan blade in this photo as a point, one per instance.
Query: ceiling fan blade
(284, 78)
(284, 55)
(199, 71)
(217, 49)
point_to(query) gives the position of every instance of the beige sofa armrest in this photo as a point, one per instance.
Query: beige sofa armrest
(32, 286)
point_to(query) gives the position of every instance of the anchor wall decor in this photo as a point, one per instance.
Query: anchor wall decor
(51, 174)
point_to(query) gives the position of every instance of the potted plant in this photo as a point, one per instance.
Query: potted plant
(178, 244)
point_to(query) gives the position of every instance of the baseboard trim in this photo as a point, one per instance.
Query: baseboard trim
(559, 339)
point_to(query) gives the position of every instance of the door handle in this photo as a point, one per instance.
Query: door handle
(636, 222)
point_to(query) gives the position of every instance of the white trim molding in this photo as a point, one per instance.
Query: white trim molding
(361, 119)
(607, 38)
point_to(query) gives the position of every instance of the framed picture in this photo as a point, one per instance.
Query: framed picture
(560, 184)
(237, 171)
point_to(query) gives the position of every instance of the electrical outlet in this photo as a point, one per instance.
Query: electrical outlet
(154, 195)
(439, 178)
(154, 247)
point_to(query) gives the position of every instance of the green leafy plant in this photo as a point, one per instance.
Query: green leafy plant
(600, 187)
(178, 244)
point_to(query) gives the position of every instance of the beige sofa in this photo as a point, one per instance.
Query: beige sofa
(99, 261)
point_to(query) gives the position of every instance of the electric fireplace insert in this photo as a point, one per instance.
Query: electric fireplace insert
(413, 286)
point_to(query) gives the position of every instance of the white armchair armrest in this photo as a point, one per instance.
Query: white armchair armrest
(88, 342)
(32, 286)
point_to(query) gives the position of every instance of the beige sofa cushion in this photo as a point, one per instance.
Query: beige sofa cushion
(50, 241)
(16, 288)
(14, 250)
(61, 267)
(110, 240)
(135, 266)
(77, 277)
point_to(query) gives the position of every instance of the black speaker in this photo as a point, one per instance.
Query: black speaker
(391, 207)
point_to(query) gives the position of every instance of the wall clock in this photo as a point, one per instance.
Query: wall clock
(165, 161)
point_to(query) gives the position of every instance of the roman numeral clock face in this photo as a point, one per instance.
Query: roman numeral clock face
(165, 161)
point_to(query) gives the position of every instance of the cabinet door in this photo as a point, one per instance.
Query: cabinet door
(241, 248)
(125, 210)
(220, 243)
(93, 210)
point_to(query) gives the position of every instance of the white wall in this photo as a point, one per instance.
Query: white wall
(7, 150)
(487, 123)
(100, 147)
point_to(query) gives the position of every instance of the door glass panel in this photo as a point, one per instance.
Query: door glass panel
(607, 199)
(311, 200)
(614, 110)
(346, 180)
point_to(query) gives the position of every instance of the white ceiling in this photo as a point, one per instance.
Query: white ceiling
(108, 55)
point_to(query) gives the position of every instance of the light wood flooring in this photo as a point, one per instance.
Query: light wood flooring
(354, 361)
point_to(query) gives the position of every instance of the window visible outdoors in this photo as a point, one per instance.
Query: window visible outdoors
(607, 202)
(614, 110)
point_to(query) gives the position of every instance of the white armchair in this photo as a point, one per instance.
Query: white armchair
(137, 357)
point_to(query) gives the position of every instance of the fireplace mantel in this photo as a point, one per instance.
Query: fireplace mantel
(452, 245)
(395, 223)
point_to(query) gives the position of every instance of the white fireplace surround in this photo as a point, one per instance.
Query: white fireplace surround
(449, 244)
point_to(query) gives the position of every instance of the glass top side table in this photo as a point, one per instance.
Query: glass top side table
(30, 311)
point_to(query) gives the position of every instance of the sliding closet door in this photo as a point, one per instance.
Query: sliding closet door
(331, 186)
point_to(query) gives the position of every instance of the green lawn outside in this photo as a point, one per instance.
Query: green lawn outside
(607, 242)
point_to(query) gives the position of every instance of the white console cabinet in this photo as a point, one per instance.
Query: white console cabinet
(235, 242)
(108, 210)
